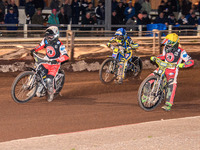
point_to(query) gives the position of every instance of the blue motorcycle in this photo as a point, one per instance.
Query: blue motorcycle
(120, 66)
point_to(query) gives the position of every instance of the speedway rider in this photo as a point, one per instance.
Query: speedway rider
(55, 51)
(172, 53)
(126, 43)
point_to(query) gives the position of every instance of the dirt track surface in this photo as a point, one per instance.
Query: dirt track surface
(88, 104)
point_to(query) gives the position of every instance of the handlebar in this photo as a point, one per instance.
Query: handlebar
(163, 63)
(38, 59)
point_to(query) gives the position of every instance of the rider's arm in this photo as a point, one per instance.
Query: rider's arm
(132, 45)
(188, 62)
(162, 56)
(63, 57)
(40, 46)
(111, 41)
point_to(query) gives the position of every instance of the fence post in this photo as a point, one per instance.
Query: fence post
(154, 41)
(25, 30)
(159, 41)
(198, 30)
(70, 44)
(140, 30)
(69, 27)
(170, 29)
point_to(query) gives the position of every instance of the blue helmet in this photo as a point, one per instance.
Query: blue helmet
(120, 35)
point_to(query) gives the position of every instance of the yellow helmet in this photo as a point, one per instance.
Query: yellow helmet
(171, 40)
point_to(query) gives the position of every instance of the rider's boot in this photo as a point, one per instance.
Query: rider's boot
(167, 106)
(120, 80)
(50, 90)
(146, 92)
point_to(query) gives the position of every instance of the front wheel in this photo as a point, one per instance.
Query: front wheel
(107, 72)
(149, 97)
(24, 87)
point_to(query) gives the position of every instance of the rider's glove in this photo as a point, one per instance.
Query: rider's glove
(153, 58)
(108, 44)
(32, 51)
(54, 62)
(112, 47)
(115, 50)
(181, 65)
(128, 48)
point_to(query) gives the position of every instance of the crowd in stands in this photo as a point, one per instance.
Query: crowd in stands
(84, 12)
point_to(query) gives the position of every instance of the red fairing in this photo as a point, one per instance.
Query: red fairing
(62, 58)
(161, 57)
(189, 63)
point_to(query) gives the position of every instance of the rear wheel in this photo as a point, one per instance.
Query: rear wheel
(107, 71)
(24, 87)
(148, 97)
(135, 71)
(60, 82)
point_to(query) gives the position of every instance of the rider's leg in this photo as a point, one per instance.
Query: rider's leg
(171, 75)
(50, 88)
(52, 71)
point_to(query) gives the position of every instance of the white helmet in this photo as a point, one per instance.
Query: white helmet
(52, 34)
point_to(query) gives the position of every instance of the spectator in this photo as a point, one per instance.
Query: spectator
(114, 19)
(186, 6)
(75, 11)
(90, 10)
(62, 17)
(146, 6)
(192, 20)
(139, 19)
(199, 21)
(137, 7)
(172, 20)
(175, 7)
(84, 5)
(11, 18)
(6, 3)
(114, 5)
(131, 22)
(145, 19)
(161, 19)
(168, 9)
(22, 2)
(1, 16)
(183, 20)
(2, 7)
(129, 11)
(100, 13)
(88, 20)
(39, 4)
(124, 4)
(55, 4)
(190, 13)
(68, 10)
(30, 9)
(120, 12)
(198, 6)
(161, 7)
(14, 6)
(53, 19)
(141, 1)
(37, 17)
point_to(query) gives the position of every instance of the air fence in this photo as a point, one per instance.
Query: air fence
(95, 35)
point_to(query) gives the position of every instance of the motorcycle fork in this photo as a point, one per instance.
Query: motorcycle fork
(156, 87)
(121, 69)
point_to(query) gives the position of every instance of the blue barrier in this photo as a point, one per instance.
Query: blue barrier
(158, 26)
